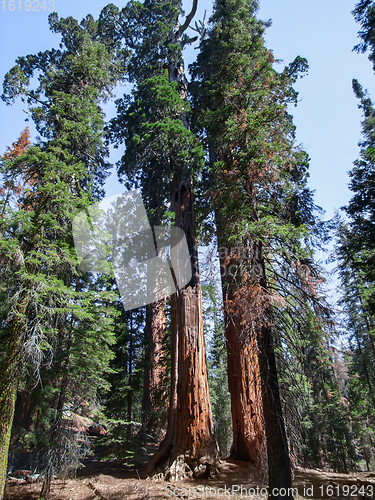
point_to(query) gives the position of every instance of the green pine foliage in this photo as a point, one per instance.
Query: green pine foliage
(61, 317)
(258, 187)
(316, 408)
(122, 409)
(66, 345)
(355, 253)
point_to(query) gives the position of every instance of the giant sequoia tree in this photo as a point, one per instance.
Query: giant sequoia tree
(161, 157)
(263, 211)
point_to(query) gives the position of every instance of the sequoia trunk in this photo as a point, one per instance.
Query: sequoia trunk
(244, 380)
(189, 447)
(245, 393)
(194, 444)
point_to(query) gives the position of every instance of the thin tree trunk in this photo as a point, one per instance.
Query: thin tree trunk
(54, 453)
(367, 376)
(8, 391)
(155, 333)
(279, 465)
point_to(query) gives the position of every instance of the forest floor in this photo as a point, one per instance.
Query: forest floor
(108, 481)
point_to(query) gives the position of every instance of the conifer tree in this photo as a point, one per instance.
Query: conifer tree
(63, 175)
(162, 155)
(355, 250)
(263, 209)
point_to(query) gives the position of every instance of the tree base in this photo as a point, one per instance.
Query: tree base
(183, 467)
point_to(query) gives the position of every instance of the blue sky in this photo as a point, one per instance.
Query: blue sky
(327, 117)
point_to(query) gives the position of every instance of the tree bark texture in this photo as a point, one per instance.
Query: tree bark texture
(161, 457)
(189, 448)
(246, 395)
(153, 394)
(194, 439)
(279, 465)
(244, 380)
(8, 393)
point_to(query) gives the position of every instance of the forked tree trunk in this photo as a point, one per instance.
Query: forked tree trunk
(153, 395)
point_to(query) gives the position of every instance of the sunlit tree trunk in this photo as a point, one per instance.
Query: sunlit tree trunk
(189, 447)
(154, 371)
(9, 378)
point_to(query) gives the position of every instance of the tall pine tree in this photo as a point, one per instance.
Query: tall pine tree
(63, 175)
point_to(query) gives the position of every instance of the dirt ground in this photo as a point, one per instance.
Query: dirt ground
(106, 481)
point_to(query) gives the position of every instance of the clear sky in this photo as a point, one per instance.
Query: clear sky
(327, 117)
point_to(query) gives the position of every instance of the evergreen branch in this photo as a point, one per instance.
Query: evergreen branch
(32, 96)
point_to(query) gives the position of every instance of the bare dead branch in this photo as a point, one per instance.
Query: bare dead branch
(189, 18)
(188, 40)
(201, 28)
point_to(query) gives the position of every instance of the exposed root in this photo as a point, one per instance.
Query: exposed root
(185, 468)
(98, 493)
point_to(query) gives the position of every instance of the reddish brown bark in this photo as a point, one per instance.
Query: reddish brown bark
(161, 457)
(153, 393)
(189, 448)
(246, 396)
(243, 365)
(194, 439)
